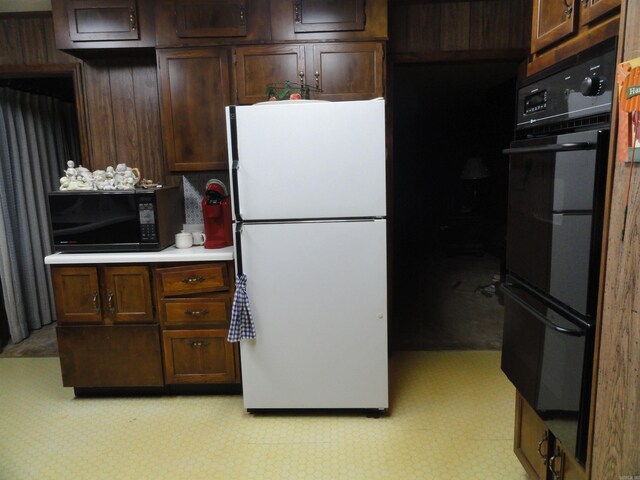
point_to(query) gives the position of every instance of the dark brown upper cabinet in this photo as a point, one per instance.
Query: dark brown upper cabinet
(594, 9)
(261, 65)
(328, 15)
(553, 20)
(194, 89)
(217, 18)
(86, 24)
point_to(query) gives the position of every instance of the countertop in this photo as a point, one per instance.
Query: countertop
(170, 254)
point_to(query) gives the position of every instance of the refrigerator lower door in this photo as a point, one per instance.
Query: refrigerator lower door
(318, 294)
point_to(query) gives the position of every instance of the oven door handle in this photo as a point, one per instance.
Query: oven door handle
(556, 147)
(566, 331)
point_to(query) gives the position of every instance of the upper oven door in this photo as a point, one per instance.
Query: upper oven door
(553, 214)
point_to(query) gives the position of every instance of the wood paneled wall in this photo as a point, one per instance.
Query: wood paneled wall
(439, 26)
(123, 115)
(27, 39)
(616, 447)
(118, 105)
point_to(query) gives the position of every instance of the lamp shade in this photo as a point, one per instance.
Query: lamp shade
(474, 169)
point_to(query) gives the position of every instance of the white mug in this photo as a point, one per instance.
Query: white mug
(184, 240)
(198, 238)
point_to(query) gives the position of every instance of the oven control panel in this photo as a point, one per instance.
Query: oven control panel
(582, 88)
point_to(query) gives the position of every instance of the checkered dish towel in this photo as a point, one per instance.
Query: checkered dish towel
(242, 327)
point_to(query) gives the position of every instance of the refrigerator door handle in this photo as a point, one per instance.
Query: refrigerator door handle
(235, 160)
(239, 271)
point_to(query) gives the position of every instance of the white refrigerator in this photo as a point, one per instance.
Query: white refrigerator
(308, 192)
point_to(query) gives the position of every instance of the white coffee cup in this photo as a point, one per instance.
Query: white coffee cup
(198, 238)
(184, 240)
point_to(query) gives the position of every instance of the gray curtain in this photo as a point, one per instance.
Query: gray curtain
(33, 151)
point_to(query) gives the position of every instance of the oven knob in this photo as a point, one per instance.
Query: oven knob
(591, 86)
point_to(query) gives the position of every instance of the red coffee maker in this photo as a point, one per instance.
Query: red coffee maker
(216, 212)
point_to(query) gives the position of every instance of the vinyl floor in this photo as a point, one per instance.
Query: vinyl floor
(451, 417)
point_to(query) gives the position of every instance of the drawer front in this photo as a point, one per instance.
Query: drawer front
(214, 311)
(199, 356)
(192, 279)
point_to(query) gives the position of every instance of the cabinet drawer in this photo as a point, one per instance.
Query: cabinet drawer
(192, 279)
(199, 356)
(214, 311)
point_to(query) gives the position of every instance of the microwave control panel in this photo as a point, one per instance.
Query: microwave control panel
(146, 211)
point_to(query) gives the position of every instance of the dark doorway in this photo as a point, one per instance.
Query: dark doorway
(451, 122)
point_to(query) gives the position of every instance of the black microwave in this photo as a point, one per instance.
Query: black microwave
(115, 221)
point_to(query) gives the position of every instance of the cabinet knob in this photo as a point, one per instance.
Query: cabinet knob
(199, 343)
(301, 75)
(297, 17)
(242, 17)
(317, 75)
(568, 9)
(196, 312)
(194, 279)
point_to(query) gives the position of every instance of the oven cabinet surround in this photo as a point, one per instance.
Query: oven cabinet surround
(342, 71)
(194, 89)
(561, 28)
(542, 456)
(194, 305)
(98, 24)
(131, 320)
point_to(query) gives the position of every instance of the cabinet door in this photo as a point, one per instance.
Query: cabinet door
(77, 295)
(552, 21)
(328, 15)
(593, 9)
(194, 89)
(346, 71)
(532, 439)
(206, 18)
(256, 67)
(102, 20)
(127, 295)
(110, 356)
(199, 356)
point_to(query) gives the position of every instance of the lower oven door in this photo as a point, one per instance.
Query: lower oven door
(554, 214)
(546, 355)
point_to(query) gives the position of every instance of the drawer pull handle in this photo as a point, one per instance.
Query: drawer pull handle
(242, 17)
(190, 280)
(110, 305)
(96, 305)
(133, 21)
(199, 343)
(196, 312)
(545, 439)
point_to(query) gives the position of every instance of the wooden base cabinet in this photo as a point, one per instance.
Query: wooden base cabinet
(110, 336)
(542, 456)
(110, 356)
(199, 356)
(195, 310)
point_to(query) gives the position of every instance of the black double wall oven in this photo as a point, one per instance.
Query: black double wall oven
(557, 171)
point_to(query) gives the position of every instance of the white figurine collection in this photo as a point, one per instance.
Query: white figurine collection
(80, 178)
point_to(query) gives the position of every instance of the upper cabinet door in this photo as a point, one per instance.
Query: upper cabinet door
(552, 21)
(210, 18)
(328, 15)
(102, 20)
(257, 67)
(346, 71)
(194, 89)
(593, 9)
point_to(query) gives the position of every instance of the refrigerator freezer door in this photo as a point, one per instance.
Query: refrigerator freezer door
(318, 295)
(310, 160)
